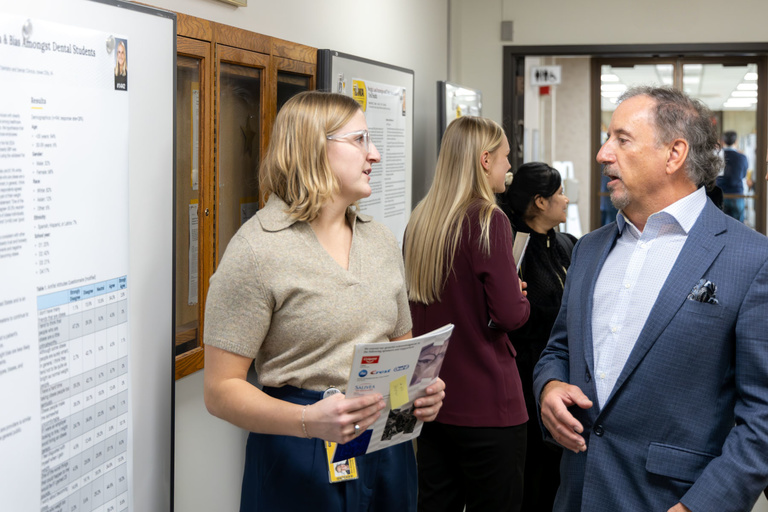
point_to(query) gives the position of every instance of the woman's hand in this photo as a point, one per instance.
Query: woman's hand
(334, 418)
(429, 405)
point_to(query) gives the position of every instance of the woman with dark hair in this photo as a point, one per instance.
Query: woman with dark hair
(535, 204)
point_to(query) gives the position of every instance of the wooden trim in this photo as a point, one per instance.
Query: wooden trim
(240, 56)
(294, 66)
(196, 28)
(243, 39)
(294, 51)
(190, 362)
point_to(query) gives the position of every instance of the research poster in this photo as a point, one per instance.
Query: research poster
(385, 112)
(65, 416)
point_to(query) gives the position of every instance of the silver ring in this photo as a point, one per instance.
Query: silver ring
(357, 429)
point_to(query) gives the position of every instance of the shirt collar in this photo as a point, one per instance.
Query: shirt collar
(274, 215)
(684, 211)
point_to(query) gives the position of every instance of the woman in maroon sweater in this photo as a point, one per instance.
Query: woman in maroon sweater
(460, 270)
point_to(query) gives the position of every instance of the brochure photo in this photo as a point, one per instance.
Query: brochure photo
(401, 371)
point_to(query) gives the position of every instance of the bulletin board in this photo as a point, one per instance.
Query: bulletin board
(453, 102)
(86, 255)
(385, 93)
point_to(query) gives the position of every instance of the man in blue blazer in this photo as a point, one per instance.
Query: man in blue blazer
(656, 373)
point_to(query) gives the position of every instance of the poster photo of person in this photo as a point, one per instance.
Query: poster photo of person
(121, 64)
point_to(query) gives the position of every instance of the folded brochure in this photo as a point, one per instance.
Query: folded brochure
(400, 371)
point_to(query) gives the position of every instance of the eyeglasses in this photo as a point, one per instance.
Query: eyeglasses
(359, 138)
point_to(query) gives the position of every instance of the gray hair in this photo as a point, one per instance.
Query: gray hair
(677, 115)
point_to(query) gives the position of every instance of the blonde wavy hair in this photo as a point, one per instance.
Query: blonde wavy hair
(296, 167)
(434, 230)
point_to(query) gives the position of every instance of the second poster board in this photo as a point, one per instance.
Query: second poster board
(385, 94)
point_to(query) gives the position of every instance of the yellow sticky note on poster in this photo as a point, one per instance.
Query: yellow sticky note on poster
(398, 392)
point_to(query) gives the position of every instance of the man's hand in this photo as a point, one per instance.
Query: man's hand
(679, 508)
(556, 397)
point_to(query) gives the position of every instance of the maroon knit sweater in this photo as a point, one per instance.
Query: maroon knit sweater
(482, 383)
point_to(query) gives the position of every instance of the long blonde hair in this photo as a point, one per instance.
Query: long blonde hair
(434, 230)
(296, 166)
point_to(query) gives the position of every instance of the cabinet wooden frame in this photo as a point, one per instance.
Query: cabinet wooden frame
(192, 360)
(214, 45)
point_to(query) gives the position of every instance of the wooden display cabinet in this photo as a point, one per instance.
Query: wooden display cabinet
(230, 85)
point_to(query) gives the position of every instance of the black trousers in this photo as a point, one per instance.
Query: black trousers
(542, 471)
(477, 467)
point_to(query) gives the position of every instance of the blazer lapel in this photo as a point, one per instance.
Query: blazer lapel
(700, 250)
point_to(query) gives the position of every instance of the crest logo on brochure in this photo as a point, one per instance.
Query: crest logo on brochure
(370, 359)
(363, 372)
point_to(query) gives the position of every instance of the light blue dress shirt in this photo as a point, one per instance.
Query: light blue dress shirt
(630, 280)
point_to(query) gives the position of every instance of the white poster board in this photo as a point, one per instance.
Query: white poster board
(385, 94)
(86, 190)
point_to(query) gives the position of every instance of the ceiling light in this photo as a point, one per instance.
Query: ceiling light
(744, 94)
(609, 78)
(746, 87)
(740, 102)
(611, 94)
(696, 68)
(613, 87)
(691, 80)
(750, 76)
(664, 69)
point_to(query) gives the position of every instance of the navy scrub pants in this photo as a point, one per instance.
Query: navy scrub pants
(290, 473)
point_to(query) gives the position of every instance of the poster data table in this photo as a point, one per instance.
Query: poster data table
(82, 334)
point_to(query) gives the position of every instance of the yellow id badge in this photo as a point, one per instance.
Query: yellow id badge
(341, 470)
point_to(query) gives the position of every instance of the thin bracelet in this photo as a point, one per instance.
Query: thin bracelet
(303, 426)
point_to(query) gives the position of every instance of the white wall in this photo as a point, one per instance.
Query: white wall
(404, 33)
(475, 56)
(476, 46)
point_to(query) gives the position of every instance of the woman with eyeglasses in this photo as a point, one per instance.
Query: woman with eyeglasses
(299, 285)
(460, 270)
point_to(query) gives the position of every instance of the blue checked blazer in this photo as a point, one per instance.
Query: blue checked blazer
(688, 418)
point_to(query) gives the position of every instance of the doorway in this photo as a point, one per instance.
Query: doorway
(730, 79)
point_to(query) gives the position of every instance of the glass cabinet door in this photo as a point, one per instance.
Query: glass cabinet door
(239, 140)
(191, 103)
(293, 77)
(230, 84)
